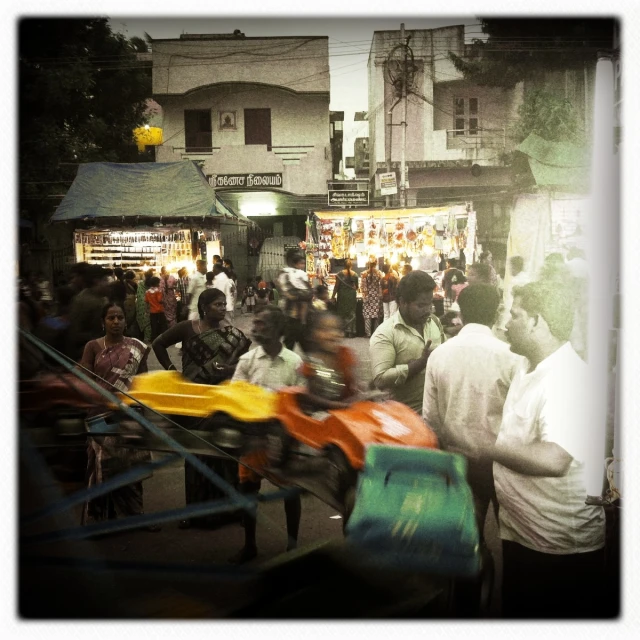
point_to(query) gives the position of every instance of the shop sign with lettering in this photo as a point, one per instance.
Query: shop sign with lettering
(246, 180)
(348, 198)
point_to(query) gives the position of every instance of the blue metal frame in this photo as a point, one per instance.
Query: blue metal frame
(233, 502)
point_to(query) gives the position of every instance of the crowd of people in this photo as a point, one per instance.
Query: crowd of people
(495, 375)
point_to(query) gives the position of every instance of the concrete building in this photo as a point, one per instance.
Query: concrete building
(254, 114)
(458, 133)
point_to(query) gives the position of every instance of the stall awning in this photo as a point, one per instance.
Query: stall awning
(145, 190)
(557, 164)
(387, 214)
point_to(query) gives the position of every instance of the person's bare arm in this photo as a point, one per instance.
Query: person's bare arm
(171, 336)
(545, 459)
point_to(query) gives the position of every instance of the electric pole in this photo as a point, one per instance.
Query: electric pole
(403, 192)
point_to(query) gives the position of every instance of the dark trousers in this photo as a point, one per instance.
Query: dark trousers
(294, 332)
(472, 596)
(158, 324)
(480, 479)
(543, 585)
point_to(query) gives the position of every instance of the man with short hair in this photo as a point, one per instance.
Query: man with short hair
(466, 385)
(401, 345)
(224, 283)
(553, 542)
(273, 366)
(197, 284)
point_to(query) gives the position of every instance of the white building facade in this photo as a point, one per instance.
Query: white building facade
(254, 114)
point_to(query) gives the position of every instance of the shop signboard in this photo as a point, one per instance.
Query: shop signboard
(388, 185)
(348, 198)
(245, 180)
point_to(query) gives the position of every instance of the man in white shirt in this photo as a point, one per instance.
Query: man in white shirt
(273, 366)
(553, 542)
(197, 284)
(466, 384)
(225, 284)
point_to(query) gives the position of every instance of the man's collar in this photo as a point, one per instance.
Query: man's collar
(261, 353)
(474, 327)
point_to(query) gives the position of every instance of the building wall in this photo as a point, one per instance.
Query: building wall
(299, 134)
(299, 64)
(430, 104)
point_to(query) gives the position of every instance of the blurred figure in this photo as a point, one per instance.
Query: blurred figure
(371, 287)
(345, 292)
(117, 291)
(479, 273)
(154, 300)
(486, 257)
(197, 284)
(389, 288)
(224, 283)
(168, 288)
(142, 311)
(321, 298)
(249, 298)
(209, 277)
(182, 288)
(85, 314)
(294, 287)
(262, 299)
(130, 307)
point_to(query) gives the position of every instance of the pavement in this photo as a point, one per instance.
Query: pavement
(201, 548)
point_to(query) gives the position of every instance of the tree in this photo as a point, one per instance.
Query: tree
(548, 116)
(82, 91)
(518, 49)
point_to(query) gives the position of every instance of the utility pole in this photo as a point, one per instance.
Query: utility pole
(403, 192)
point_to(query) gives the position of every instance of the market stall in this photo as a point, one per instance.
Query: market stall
(141, 249)
(138, 216)
(416, 236)
(400, 236)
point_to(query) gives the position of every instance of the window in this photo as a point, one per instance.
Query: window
(197, 130)
(257, 127)
(466, 116)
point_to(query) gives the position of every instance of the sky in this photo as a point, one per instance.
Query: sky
(349, 45)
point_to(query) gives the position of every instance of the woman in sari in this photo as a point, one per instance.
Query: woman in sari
(210, 351)
(168, 286)
(142, 311)
(115, 359)
(345, 291)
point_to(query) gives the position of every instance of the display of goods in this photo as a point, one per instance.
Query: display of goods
(411, 235)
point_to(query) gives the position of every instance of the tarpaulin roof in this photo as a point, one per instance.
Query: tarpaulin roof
(148, 189)
(557, 164)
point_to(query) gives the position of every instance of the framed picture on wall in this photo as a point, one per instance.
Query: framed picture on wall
(227, 121)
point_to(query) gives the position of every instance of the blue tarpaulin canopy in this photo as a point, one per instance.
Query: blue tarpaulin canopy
(149, 189)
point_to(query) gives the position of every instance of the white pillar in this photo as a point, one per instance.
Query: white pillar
(602, 257)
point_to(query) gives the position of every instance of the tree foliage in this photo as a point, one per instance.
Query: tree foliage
(518, 49)
(82, 91)
(548, 116)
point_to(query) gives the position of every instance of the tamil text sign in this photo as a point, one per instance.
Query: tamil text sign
(348, 198)
(246, 180)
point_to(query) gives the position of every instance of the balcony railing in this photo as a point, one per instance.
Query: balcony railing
(477, 138)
